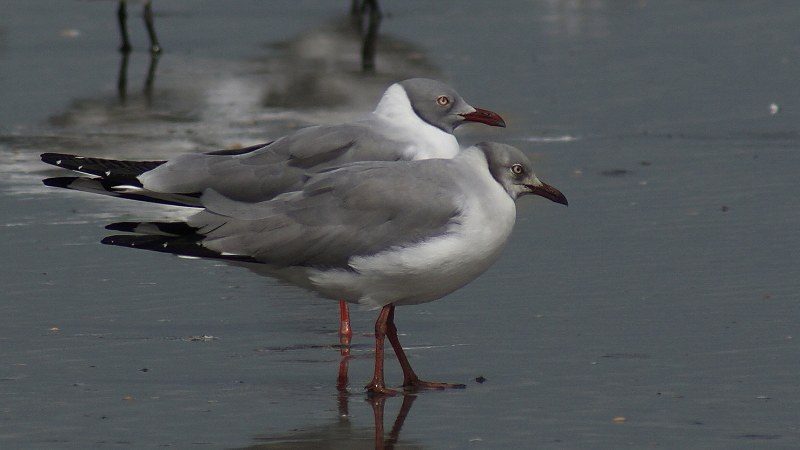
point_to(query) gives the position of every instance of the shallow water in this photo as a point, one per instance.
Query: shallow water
(659, 310)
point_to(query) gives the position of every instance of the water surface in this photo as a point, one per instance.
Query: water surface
(659, 310)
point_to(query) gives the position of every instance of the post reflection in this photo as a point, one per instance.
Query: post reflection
(126, 47)
(122, 78)
(307, 78)
(365, 20)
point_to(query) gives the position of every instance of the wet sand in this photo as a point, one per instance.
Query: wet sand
(659, 310)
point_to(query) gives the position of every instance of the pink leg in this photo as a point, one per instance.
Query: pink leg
(410, 379)
(345, 332)
(378, 385)
(345, 336)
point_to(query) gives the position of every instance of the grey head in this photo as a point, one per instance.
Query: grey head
(441, 106)
(514, 171)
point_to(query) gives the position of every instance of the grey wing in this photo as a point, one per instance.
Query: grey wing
(350, 212)
(324, 146)
(275, 168)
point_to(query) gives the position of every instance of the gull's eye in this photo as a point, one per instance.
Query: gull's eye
(442, 100)
(517, 169)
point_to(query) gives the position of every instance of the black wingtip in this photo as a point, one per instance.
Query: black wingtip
(173, 229)
(128, 227)
(54, 158)
(124, 240)
(181, 246)
(60, 182)
(155, 243)
(119, 240)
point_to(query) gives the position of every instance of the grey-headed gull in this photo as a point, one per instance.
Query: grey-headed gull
(414, 120)
(381, 234)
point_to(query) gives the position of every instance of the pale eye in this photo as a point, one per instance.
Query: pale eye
(517, 169)
(442, 100)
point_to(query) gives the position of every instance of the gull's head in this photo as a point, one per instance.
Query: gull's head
(514, 171)
(440, 105)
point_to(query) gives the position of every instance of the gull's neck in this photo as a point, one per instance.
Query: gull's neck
(394, 105)
(425, 140)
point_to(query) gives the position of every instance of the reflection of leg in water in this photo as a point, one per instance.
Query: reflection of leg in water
(341, 386)
(405, 407)
(378, 403)
(345, 337)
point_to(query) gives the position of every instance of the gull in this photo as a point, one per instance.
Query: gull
(414, 120)
(378, 233)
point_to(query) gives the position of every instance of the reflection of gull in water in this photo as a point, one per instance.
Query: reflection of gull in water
(320, 69)
(342, 435)
(317, 74)
(361, 34)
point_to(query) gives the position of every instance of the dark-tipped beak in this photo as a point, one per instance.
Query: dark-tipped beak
(490, 118)
(548, 192)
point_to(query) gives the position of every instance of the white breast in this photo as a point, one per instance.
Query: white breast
(432, 269)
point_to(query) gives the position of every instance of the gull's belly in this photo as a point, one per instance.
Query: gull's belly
(429, 270)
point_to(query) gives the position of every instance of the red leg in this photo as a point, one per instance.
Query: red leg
(345, 332)
(377, 385)
(410, 379)
(345, 336)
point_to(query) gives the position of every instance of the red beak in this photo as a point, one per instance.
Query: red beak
(490, 118)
